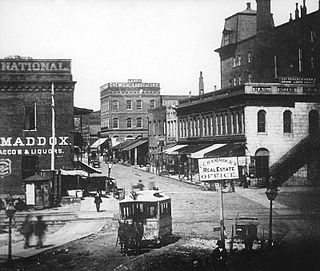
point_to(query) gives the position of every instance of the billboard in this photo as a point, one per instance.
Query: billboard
(217, 169)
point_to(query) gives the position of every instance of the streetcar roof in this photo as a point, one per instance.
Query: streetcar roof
(146, 196)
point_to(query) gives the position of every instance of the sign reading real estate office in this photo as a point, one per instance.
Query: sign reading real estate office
(217, 169)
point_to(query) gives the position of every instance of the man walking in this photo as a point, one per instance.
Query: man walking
(40, 228)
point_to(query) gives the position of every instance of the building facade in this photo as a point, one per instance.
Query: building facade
(267, 111)
(29, 88)
(124, 108)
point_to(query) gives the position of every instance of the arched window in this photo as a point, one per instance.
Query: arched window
(261, 121)
(287, 121)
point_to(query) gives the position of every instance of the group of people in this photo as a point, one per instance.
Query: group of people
(28, 228)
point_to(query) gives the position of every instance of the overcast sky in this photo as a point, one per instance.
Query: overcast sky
(163, 41)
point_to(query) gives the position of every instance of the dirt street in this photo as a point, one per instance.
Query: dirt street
(195, 212)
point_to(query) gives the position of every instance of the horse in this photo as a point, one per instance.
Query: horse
(129, 237)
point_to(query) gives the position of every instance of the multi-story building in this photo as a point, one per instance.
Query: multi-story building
(29, 89)
(267, 111)
(124, 116)
(124, 108)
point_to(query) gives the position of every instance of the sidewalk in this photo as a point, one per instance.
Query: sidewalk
(84, 221)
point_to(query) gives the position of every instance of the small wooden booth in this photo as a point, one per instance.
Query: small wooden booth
(39, 191)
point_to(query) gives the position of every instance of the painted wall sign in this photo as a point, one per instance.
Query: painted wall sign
(33, 141)
(220, 168)
(5, 167)
(261, 89)
(32, 145)
(32, 66)
(297, 80)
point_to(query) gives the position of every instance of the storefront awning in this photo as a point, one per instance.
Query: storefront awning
(76, 172)
(229, 150)
(98, 143)
(174, 149)
(135, 145)
(87, 168)
(193, 148)
(201, 153)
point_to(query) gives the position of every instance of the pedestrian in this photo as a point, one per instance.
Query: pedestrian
(140, 185)
(109, 168)
(26, 230)
(39, 230)
(97, 201)
(219, 256)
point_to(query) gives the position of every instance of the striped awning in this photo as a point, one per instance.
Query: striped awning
(174, 149)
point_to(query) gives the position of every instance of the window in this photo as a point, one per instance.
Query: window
(234, 64)
(312, 63)
(129, 105)
(234, 123)
(129, 122)
(240, 123)
(234, 81)
(249, 77)
(115, 123)
(115, 105)
(300, 60)
(239, 60)
(139, 104)
(239, 80)
(139, 122)
(312, 35)
(152, 104)
(287, 121)
(249, 57)
(226, 39)
(261, 121)
(30, 117)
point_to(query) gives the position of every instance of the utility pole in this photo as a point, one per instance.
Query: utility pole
(53, 127)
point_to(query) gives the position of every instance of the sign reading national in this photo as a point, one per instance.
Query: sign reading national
(220, 168)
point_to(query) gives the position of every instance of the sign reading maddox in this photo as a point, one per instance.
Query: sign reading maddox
(220, 168)
(35, 66)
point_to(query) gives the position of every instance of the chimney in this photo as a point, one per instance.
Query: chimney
(264, 16)
(296, 12)
(248, 6)
(215, 87)
(189, 94)
(290, 19)
(304, 8)
(201, 85)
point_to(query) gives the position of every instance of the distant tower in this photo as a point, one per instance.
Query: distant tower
(201, 85)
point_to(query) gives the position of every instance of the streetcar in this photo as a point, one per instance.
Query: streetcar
(148, 213)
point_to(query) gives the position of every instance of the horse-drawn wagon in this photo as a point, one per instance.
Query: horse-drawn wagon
(145, 219)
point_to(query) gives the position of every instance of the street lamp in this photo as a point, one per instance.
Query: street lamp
(271, 193)
(10, 211)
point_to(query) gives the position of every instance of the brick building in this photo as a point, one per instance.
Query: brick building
(26, 87)
(124, 108)
(267, 111)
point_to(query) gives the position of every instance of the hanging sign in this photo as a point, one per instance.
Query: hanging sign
(5, 167)
(219, 168)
